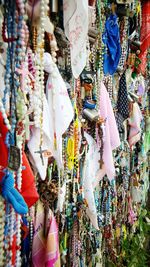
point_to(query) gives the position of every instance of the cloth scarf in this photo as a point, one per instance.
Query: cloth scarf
(60, 108)
(90, 170)
(135, 125)
(76, 30)
(111, 140)
(45, 248)
(92, 173)
(34, 142)
(145, 29)
(122, 103)
(57, 115)
(144, 35)
(111, 39)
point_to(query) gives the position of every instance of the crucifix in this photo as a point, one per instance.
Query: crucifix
(101, 162)
(40, 151)
(23, 72)
(100, 123)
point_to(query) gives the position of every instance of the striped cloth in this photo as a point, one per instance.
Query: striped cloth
(45, 249)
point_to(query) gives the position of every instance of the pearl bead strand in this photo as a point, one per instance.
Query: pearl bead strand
(39, 80)
(18, 242)
(54, 49)
(2, 110)
(10, 235)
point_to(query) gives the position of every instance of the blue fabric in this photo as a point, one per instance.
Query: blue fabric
(89, 105)
(11, 195)
(25, 247)
(111, 39)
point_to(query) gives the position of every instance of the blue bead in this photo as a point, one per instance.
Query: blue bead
(20, 17)
(13, 127)
(18, 49)
(19, 27)
(17, 83)
(18, 65)
(14, 122)
(19, 58)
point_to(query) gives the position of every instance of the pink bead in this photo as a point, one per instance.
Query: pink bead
(21, 5)
(22, 11)
(23, 35)
(23, 23)
(30, 67)
(22, 31)
(22, 43)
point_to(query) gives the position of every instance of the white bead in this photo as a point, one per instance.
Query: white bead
(54, 59)
(3, 111)
(7, 121)
(54, 54)
(53, 43)
(4, 116)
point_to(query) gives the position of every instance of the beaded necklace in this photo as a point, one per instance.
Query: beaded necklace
(39, 65)
(124, 42)
(10, 22)
(10, 88)
(20, 69)
(9, 218)
(15, 56)
(101, 47)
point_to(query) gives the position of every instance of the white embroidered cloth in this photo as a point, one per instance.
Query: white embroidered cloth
(91, 168)
(76, 30)
(57, 115)
(34, 142)
(60, 108)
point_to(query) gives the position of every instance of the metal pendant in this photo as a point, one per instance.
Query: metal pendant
(14, 158)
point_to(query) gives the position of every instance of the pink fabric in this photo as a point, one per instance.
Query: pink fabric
(92, 173)
(99, 176)
(45, 249)
(112, 139)
(135, 122)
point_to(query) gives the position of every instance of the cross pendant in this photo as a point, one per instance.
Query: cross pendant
(41, 154)
(101, 162)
